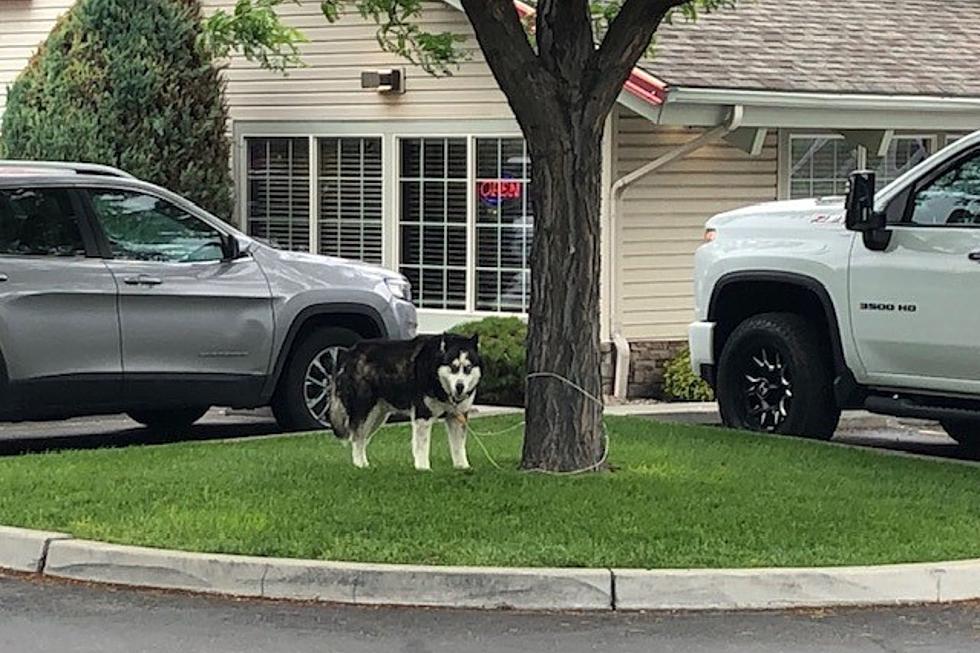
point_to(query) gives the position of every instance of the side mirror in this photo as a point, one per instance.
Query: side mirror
(860, 205)
(860, 214)
(230, 247)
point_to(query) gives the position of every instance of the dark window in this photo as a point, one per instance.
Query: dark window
(350, 196)
(39, 222)
(145, 228)
(953, 199)
(279, 192)
(433, 220)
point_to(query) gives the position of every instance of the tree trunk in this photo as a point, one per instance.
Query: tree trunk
(564, 430)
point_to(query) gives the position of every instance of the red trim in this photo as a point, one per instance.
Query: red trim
(640, 83)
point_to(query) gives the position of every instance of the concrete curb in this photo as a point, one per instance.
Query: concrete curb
(707, 413)
(335, 582)
(25, 550)
(59, 556)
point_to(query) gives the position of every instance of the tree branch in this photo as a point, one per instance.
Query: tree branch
(565, 38)
(627, 39)
(514, 64)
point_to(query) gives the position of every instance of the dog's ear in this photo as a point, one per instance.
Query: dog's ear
(442, 344)
(475, 340)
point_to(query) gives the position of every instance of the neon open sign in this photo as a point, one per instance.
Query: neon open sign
(493, 193)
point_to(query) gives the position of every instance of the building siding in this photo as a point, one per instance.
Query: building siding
(24, 24)
(327, 88)
(663, 216)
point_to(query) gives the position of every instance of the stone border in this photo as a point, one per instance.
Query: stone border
(60, 556)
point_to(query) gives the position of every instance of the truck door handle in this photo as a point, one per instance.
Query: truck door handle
(3, 277)
(142, 280)
(974, 256)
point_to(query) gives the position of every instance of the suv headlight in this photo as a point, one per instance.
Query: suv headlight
(400, 287)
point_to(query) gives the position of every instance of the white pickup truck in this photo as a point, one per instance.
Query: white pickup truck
(809, 307)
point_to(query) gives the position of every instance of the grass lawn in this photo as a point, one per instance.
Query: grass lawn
(683, 496)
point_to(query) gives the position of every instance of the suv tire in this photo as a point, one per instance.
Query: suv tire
(965, 432)
(164, 420)
(775, 376)
(289, 404)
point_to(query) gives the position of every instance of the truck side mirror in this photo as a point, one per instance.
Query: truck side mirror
(860, 205)
(860, 214)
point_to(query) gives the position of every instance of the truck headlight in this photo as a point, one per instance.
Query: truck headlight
(400, 287)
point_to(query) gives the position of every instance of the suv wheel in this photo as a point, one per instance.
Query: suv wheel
(173, 420)
(303, 394)
(965, 432)
(774, 376)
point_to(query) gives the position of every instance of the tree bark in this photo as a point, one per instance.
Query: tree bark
(564, 429)
(561, 95)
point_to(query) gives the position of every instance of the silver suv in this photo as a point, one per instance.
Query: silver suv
(119, 296)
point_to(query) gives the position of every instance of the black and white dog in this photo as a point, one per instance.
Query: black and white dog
(428, 378)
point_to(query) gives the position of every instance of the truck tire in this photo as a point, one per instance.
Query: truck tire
(300, 381)
(172, 420)
(965, 432)
(775, 376)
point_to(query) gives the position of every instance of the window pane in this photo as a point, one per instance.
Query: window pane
(953, 199)
(505, 225)
(40, 222)
(146, 228)
(278, 209)
(904, 153)
(350, 198)
(820, 166)
(432, 217)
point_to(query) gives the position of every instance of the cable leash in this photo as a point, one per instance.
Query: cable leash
(585, 393)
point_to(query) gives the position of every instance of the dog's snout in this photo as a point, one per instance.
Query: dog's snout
(460, 388)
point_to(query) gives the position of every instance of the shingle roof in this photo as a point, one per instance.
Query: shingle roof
(904, 47)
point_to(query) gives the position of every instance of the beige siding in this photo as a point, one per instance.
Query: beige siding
(328, 88)
(24, 24)
(663, 218)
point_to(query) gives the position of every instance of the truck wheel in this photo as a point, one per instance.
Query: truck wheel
(164, 420)
(965, 432)
(303, 394)
(774, 376)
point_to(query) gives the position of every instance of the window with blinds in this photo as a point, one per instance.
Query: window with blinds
(279, 192)
(350, 216)
(820, 165)
(433, 182)
(504, 225)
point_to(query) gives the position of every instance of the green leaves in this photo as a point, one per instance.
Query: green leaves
(257, 30)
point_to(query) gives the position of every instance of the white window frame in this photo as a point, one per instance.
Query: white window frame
(431, 320)
(470, 212)
(785, 154)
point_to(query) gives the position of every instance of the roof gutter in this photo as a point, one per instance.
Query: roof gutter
(621, 344)
(815, 100)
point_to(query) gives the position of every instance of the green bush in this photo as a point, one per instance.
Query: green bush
(127, 83)
(502, 346)
(681, 383)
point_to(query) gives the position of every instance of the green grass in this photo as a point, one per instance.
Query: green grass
(682, 497)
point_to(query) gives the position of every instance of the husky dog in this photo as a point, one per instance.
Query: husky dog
(428, 378)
